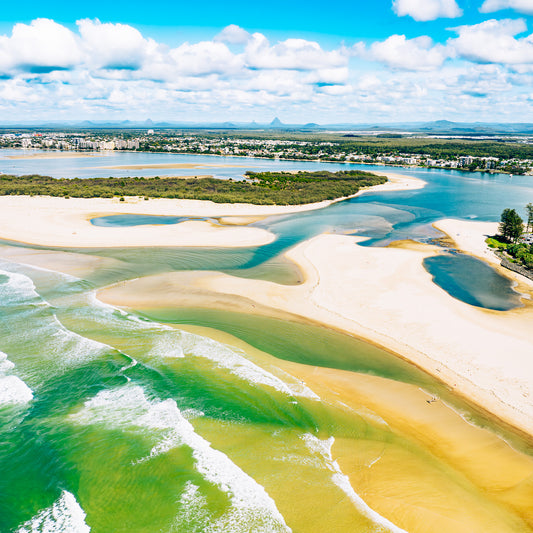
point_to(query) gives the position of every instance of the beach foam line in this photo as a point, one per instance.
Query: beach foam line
(14, 391)
(5, 363)
(18, 289)
(193, 514)
(65, 515)
(174, 343)
(79, 347)
(322, 448)
(237, 363)
(128, 408)
(39, 327)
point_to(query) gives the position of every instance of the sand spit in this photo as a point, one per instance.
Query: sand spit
(61, 222)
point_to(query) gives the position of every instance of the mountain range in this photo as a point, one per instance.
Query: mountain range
(439, 127)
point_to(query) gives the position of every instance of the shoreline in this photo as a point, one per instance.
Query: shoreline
(389, 299)
(406, 410)
(61, 222)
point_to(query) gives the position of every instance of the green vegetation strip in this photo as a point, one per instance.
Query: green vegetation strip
(264, 188)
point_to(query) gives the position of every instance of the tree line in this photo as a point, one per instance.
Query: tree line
(265, 188)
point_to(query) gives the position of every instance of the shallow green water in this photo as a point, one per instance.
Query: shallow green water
(118, 422)
(104, 412)
(318, 346)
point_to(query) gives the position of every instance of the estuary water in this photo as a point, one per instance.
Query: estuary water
(193, 420)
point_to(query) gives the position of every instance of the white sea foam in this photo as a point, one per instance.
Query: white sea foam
(110, 310)
(64, 516)
(18, 289)
(193, 515)
(73, 347)
(128, 408)
(5, 363)
(12, 389)
(322, 448)
(167, 345)
(171, 343)
(61, 275)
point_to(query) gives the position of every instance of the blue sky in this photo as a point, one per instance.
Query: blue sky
(344, 61)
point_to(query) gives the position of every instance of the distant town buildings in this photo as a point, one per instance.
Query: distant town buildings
(226, 145)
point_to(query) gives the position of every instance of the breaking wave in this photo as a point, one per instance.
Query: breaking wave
(128, 408)
(65, 515)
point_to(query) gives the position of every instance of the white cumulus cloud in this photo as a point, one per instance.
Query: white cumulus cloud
(233, 34)
(423, 10)
(114, 46)
(102, 70)
(205, 57)
(399, 52)
(40, 46)
(494, 41)
(296, 54)
(522, 6)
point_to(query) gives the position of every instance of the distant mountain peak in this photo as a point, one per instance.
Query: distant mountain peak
(276, 123)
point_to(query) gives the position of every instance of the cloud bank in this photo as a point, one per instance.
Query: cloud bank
(108, 71)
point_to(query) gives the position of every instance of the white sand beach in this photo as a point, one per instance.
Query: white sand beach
(60, 222)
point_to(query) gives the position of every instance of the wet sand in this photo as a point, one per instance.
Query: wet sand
(435, 472)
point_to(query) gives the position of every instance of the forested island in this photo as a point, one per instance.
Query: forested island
(264, 188)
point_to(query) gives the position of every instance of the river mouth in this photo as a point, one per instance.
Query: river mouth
(100, 377)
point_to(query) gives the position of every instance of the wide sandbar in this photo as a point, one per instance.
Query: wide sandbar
(385, 295)
(410, 488)
(62, 222)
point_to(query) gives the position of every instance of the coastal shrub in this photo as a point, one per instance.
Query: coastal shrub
(495, 242)
(267, 188)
